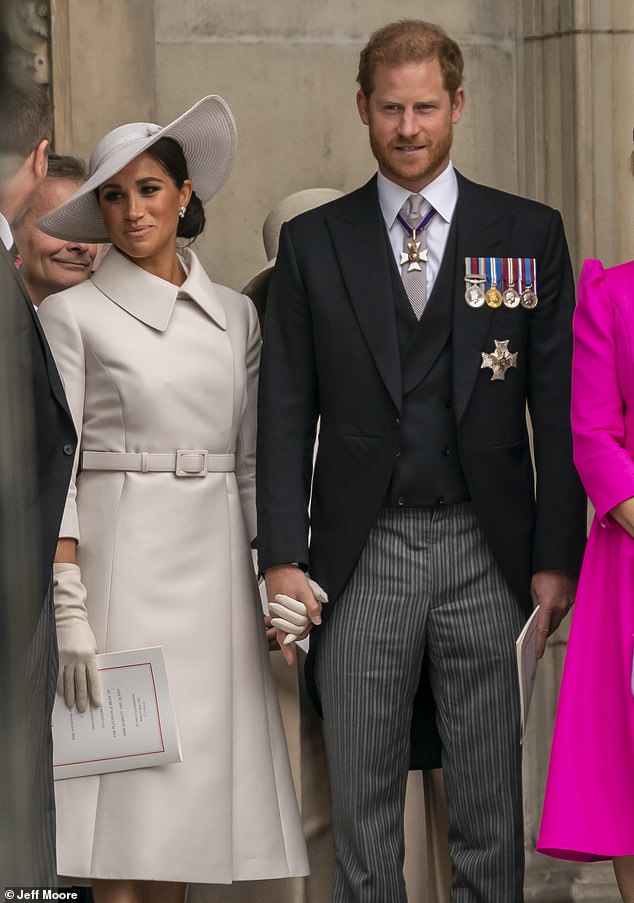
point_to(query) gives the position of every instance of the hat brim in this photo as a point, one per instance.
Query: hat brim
(257, 288)
(207, 135)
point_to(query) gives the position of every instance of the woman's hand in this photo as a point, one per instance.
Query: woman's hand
(623, 514)
(78, 676)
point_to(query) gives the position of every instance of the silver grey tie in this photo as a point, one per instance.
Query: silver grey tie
(414, 256)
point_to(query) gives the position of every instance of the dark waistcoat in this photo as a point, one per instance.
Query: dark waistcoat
(427, 471)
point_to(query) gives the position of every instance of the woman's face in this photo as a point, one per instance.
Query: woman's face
(140, 207)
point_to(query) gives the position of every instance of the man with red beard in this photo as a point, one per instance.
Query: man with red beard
(417, 317)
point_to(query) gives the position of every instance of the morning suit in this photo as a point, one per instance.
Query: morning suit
(395, 407)
(37, 447)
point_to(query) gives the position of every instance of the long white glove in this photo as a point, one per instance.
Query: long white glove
(291, 615)
(78, 677)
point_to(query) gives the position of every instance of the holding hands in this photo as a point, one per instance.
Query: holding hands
(295, 605)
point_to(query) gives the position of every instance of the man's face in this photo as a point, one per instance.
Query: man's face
(410, 116)
(50, 264)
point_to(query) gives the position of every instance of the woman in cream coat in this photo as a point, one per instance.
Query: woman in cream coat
(160, 367)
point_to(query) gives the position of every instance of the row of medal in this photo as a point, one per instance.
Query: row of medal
(497, 281)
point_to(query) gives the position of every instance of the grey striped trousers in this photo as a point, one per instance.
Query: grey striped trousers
(27, 804)
(426, 582)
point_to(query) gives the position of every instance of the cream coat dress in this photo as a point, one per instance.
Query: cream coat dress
(149, 367)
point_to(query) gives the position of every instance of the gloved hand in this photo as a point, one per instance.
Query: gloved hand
(290, 614)
(78, 677)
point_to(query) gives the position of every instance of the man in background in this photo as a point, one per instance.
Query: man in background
(37, 445)
(47, 264)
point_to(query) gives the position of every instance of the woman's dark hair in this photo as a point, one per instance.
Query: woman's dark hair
(169, 154)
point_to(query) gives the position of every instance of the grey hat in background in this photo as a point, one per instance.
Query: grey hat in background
(207, 135)
(290, 206)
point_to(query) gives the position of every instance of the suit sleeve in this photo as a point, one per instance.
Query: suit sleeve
(62, 331)
(598, 422)
(560, 506)
(287, 416)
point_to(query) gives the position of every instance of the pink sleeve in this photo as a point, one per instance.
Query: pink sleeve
(598, 425)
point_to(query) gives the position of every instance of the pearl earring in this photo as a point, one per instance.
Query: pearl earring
(181, 211)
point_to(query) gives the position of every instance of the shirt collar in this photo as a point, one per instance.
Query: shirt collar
(5, 232)
(442, 194)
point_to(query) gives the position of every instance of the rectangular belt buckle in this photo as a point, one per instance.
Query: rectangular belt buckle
(191, 462)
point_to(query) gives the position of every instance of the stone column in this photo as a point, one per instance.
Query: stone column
(575, 101)
(27, 27)
(103, 69)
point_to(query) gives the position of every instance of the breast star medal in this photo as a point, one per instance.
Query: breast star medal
(413, 255)
(499, 360)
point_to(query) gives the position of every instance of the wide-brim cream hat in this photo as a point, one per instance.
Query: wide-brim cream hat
(299, 202)
(207, 135)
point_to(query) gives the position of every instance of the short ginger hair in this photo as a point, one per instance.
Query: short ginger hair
(410, 41)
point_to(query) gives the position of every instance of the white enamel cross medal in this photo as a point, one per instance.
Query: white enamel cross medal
(499, 360)
(414, 255)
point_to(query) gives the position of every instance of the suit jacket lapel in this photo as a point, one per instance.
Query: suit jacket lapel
(480, 233)
(361, 246)
(53, 375)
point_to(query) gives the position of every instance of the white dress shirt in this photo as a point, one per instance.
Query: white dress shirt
(442, 194)
(5, 232)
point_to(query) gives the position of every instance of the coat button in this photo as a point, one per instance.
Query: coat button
(446, 452)
(449, 404)
(440, 500)
(397, 421)
(69, 449)
(401, 502)
(398, 453)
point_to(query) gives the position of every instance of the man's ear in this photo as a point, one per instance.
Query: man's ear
(40, 159)
(362, 107)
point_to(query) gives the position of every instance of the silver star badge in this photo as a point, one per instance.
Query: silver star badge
(499, 360)
(414, 255)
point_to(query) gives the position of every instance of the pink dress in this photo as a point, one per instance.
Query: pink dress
(589, 804)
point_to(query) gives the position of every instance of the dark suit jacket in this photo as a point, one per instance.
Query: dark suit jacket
(37, 448)
(330, 350)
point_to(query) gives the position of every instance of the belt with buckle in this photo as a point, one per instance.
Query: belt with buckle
(185, 462)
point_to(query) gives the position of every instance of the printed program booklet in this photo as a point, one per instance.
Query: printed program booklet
(526, 667)
(133, 728)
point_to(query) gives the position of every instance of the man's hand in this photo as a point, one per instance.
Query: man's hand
(271, 634)
(554, 592)
(289, 580)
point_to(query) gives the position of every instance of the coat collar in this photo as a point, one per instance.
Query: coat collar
(53, 376)
(151, 299)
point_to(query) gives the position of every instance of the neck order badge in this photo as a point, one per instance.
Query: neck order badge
(414, 254)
